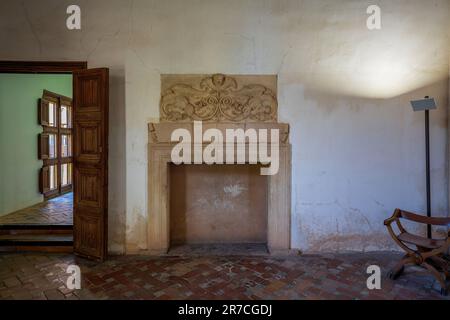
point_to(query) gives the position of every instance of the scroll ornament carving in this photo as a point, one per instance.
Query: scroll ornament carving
(218, 98)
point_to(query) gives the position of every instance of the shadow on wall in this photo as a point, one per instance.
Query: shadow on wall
(117, 167)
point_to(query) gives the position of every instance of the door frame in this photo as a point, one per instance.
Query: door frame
(13, 66)
(45, 67)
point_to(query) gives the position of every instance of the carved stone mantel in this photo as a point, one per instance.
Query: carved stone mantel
(218, 98)
(160, 147)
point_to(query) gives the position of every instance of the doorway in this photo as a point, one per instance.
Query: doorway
(73, 153)
(36, 155)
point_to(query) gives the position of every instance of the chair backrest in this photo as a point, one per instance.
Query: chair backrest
(434, 221)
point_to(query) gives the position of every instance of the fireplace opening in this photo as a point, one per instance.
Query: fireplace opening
(218, 205)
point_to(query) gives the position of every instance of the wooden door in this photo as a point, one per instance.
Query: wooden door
(90, 155)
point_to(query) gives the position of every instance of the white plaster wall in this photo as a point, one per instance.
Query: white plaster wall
(357, 147)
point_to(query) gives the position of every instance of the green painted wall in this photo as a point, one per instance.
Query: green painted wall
(19, 165)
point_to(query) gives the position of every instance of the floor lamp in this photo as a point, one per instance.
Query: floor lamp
(426, 105)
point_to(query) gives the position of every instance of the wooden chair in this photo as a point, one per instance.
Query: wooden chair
(427, 253)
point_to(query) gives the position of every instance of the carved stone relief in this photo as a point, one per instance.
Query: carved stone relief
(218, 97)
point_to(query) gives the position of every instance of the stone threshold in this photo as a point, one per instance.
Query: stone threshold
(235, 249)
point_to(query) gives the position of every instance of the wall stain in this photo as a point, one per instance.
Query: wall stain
(136, 231)
(351, 242)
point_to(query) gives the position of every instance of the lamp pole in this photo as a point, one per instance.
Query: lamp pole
(427, 164)
(426, 104)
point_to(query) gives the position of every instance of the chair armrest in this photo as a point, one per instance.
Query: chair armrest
(394, 217)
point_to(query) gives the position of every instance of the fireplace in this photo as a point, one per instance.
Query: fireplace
(217, 203)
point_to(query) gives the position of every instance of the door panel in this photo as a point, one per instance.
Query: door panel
(90, 153)
(90, 187)
(88, 145)
(89, 234)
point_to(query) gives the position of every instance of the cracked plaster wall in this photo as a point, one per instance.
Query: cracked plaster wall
(357, 146)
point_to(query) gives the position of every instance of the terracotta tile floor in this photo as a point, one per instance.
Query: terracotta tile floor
(331, 276)
(57, 211)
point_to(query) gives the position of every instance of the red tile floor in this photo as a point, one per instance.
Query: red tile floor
(57, 211)
(326, 276)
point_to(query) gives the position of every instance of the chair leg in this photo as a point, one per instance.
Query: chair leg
(397, 270)
(441, 264)
(438, 276)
